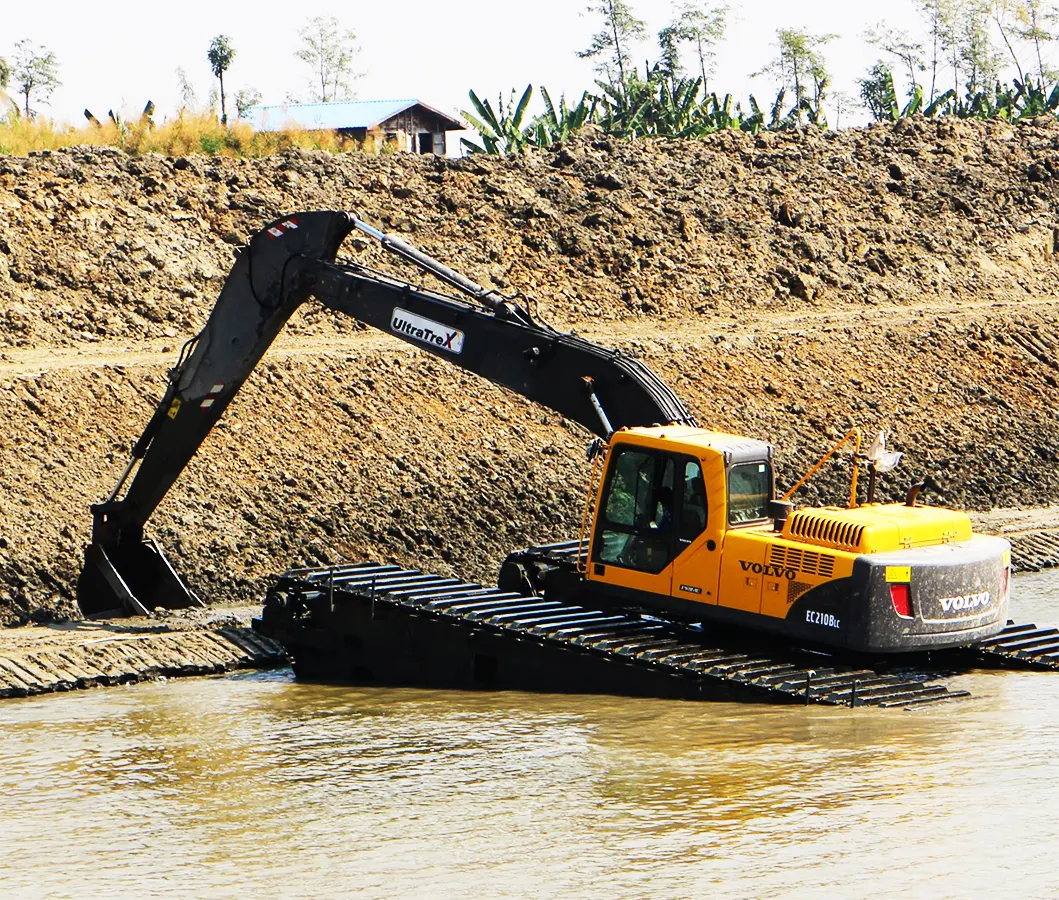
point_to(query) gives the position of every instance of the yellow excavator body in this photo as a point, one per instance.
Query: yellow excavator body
(685, 520)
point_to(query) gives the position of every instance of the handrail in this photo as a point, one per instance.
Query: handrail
(853, 432)
(596, 453)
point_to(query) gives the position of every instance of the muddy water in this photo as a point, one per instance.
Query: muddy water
(258, 786)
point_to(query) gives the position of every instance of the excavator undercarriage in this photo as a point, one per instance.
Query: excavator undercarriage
(374, 623)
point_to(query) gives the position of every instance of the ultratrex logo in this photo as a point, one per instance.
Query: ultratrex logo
(968, 601)
(426, 331)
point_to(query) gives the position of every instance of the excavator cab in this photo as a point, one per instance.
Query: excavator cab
(667, 500)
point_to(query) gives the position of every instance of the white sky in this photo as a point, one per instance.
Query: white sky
(119, 53)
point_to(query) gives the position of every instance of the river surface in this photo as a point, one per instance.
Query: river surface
(257, 786)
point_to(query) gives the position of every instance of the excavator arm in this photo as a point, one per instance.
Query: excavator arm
(285, 264)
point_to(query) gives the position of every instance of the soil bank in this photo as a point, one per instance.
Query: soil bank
(787, 286)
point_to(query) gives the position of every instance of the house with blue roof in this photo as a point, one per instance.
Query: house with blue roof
(405, 125)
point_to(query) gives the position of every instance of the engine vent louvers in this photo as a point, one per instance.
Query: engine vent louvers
(820, 529)
(809, 562)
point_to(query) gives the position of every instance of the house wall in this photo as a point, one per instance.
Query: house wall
(405, 129)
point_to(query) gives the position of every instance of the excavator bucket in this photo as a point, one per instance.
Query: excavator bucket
(112, 583)
(124, 573)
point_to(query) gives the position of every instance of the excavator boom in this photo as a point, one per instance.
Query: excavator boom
(285, 264)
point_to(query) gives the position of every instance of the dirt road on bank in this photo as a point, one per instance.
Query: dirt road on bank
(35, 361)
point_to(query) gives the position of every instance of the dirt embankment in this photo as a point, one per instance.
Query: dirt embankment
(788, 286)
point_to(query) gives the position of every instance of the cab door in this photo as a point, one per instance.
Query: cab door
(700, 531)
(635, 540)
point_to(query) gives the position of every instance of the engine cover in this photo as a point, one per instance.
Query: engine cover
(877, 528)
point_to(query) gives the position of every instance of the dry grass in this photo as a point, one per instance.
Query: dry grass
(182, 136)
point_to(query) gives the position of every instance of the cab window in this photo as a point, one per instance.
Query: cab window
(637, 521)
(693, 510)
(749, 492)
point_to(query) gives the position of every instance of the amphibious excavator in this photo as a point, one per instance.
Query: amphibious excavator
(683, 524)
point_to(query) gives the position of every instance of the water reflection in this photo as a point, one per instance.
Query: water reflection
(257, 784)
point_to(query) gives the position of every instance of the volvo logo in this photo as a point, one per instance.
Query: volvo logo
(965, 601)
(775, 571)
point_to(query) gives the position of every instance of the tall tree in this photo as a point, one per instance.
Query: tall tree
(876, 91)
(800, 66)
(36, 72)
(329, 50)
(843, 103)
(973, 46)
(5, 74)
(669, 54)
(952, 43)
(939, 16)
(1033, 20)
(220, 55)
(187, 90)
(611, 44)
(702, 24)
(902, 47)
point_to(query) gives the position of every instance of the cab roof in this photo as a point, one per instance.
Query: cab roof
(691, 440)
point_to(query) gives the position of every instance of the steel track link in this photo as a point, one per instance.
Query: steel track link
(1019, 647)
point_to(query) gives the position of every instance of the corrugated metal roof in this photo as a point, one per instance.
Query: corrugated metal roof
(332, 116)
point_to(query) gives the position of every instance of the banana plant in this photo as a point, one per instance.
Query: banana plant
(776, 118)
(502, 131)
(678, 112)
(814, 113)
(890, 107)
(755, 121)
(940, 105)
(625, 107)
(913, 106)
(1032, 101)
(558, 123)
(719, 113)
(1022, 100)
(657, 106)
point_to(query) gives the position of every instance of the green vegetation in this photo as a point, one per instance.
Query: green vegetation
(954, 65)
(960, 48)
(220, 56)
(182, 136)
(880, 96)
(501, 130)
(559, 122)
